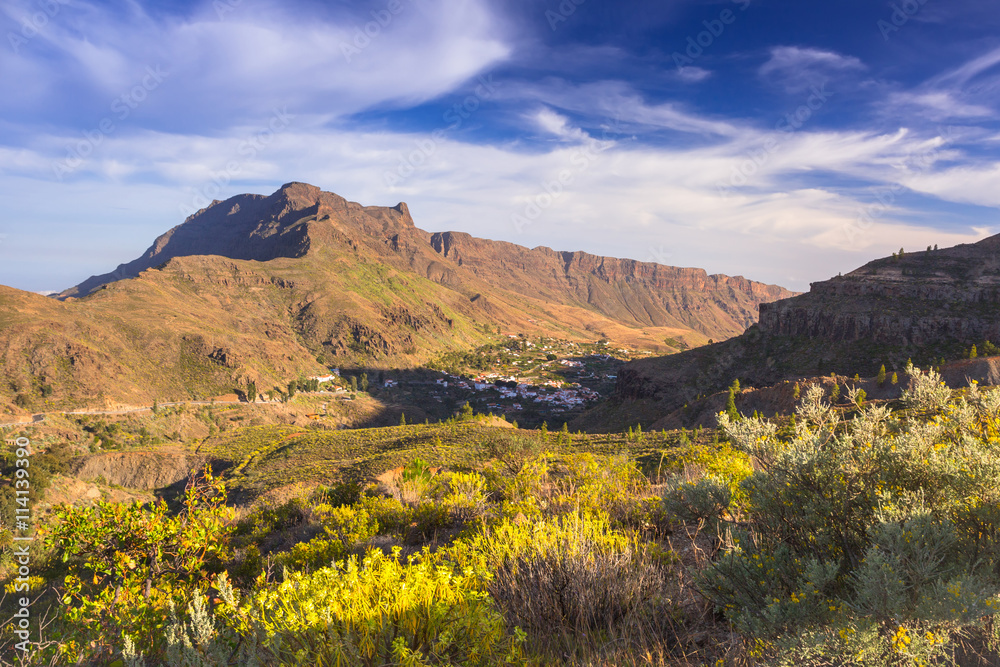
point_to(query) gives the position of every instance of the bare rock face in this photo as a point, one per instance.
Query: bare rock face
(640, 293)
(917, 298)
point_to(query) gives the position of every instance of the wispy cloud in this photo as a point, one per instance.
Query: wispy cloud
(640, 145)
(797, 68)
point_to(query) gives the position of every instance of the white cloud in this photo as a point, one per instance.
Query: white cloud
(797, 69)
(620, 103)
(553, 123)
(261, 55)
(961, 75)
(621, 198)
(693, 74)
(937, 105)
(793, 59)
(950, 95)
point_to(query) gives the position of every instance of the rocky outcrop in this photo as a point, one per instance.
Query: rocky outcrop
(949, 295)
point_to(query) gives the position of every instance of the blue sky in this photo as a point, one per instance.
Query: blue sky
(783, 141)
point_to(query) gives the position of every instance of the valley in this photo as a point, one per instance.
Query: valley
(288, 394)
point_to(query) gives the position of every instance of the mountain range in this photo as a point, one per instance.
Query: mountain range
(270, 288)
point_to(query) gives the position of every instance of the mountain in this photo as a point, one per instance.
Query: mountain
(268, 288)
(919, 298)
(925, 306)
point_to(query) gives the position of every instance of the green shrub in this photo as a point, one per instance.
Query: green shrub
(569, 578)
(129, 566)
(876, 537)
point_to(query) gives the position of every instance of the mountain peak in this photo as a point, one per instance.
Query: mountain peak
(262, 228)
(303, 195)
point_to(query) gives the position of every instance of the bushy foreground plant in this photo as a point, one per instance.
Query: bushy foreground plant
(372, 611)
(549, 486)
(130, 564)
(573, 582)
(871, 541)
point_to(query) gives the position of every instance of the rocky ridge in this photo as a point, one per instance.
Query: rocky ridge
(918, 298)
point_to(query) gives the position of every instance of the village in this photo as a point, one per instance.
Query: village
(530, 381)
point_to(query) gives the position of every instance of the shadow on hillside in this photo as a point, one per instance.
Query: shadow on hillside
(426, 395)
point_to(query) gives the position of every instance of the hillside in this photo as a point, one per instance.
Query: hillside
(266, 289)
(927, 306)
(920, 298)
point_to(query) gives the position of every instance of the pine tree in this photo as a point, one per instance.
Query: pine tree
(731, 405)
(835, 394)
(364, 382)
(796, 391)
(881, 376)
(251, 392)
(972, 352)
(402, 419)
(895, 379)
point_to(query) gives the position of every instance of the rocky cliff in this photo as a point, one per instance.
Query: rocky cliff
(925, 306)
(640, 293)
(918, 298)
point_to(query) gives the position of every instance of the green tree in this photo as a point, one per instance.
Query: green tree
(292, 386)
(364, 382)
(402, 419)
(467, 412)
(835, 394)
(796, 391)
(972, 352)
(895, 378)
(251, 392)
(731, 405)
(881, 376)
(354, 383)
